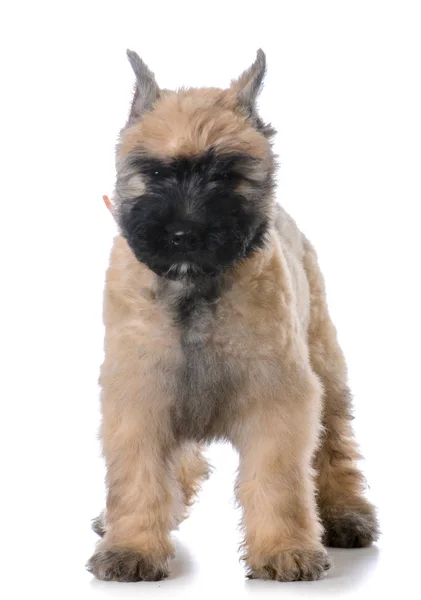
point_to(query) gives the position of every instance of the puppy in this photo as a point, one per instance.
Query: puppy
(217, 328)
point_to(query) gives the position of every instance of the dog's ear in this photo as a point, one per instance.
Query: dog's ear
(146, 88)
(249, 84)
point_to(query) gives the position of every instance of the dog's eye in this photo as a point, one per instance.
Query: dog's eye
(160, 172)
(223, 176)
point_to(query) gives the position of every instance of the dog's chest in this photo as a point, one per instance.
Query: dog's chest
(205, 382)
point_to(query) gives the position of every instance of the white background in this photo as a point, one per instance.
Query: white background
(343, 90)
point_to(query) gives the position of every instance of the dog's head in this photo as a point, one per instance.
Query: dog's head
(194, 174)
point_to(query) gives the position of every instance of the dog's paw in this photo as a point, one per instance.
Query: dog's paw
(117, 564)
(98, 525)
(350, 528)
(293, 565)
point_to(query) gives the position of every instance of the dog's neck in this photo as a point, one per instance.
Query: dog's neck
(188, 298)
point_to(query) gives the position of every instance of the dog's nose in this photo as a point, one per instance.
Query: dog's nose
(183, 237)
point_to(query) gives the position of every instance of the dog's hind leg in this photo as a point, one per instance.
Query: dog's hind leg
(348, 518)
(99, 524)
(192, 469)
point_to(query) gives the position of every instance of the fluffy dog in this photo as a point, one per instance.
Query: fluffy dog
(217, 327)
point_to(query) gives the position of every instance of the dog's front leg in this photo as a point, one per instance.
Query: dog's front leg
(276, 442)
(141, 484)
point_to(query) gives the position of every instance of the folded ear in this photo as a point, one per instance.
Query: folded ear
(249, 84)
(146, 88)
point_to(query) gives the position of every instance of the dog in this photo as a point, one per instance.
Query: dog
(217, 328)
